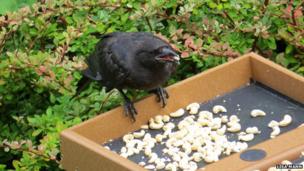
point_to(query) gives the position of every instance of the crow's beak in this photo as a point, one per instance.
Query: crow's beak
(168, 55)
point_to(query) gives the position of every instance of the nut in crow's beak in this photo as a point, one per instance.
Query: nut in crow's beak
(168, 55)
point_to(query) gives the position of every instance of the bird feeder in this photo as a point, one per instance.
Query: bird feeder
(81, 145)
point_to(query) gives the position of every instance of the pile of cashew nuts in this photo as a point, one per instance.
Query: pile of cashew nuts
(193, 139)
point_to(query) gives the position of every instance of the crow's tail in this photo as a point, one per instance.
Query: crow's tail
(82, 84)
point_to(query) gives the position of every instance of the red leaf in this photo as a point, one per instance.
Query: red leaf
(185, 54)
(162, 37)
(175, 47)
(188, 41)
(38, 72)
(52, 74)
(42, 69)
(287, 11)
(298, 12)
(186, 36)
(179, 32)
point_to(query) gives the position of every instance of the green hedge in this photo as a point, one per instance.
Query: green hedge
(42, 51)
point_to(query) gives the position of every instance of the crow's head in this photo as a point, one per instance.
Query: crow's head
(158, 53)
(166, 54)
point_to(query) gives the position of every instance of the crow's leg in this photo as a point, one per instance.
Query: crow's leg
(129, 108)
(161, 94)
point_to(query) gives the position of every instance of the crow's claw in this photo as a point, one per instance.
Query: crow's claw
(166, 93)
(130, 110)
(161, 95)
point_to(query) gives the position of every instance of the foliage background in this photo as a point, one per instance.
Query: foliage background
(42, 49)
(13, 5)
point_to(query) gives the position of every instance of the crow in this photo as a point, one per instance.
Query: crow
(132, 60)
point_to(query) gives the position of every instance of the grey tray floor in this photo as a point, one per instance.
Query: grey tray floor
(240, 102)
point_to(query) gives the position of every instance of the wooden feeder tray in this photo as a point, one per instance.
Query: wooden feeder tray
(246, 83)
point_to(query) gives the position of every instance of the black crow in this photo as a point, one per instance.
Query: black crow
(132, 60)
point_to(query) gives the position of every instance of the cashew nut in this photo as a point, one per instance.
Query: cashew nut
(125, 155)
(171, 166)
(178, 113)
(144, 127)
(182, 124)
(168, 126)
(183, 164)
(192, 166)
(187, 148)
(166, 118)
(130, 151)
(203, 121)
(246, 137)
(153, 124)
(159, 137)
(234, 118)
(275, 131)
(209, 158)
(224, 119)
(205, 115)
(197, 157)
(148, 152)
(127, 138)
(257, 112)
(286, 120)
(234, 127)
(123, 150)
(253, 130)
(150, 167)
(141, 163)
(219, 108)
(222, 130)
(273, 123)
(215, 123)
(153, 157)
(241, 146)
(193, 108)
(158, 118)
(139, 134)
(160, 164)
(150, 143)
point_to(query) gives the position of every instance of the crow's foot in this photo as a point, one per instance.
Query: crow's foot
(161, 95)
(129, 108)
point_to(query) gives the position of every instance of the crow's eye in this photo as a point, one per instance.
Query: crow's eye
(142, 53)
(161, 49)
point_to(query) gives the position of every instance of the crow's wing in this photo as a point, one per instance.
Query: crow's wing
(94, 67)
(114, 69)
(108, 62)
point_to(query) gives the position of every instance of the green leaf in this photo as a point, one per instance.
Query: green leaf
(52, 98)
(212, 5)
(272, 43)
(16, 164)
(49, 111)
(2, 167)
(289, 49)
(36, 132)
(280, 58)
